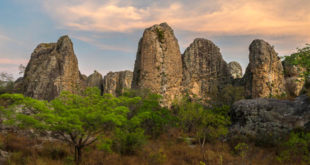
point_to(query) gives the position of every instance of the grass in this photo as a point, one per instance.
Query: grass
(166, 150)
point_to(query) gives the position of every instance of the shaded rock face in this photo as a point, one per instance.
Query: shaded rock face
(235, 70)
(203, 69)
(264, 75)
(158, 64)
(52, 68)
(294, 83)
(261, 116)
(95, 80)
(18, 85)
(116, 82)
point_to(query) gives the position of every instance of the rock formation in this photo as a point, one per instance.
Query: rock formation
(116, 82)
(52, 68)
(204, 70)
(294, 83)
(18, 85)
(95, 80)
(235, 70)
(264, 75)
(269, 117)
(158, 64)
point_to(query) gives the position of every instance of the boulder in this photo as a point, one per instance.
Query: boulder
(264, 75)
(115, 83)
(158, 65)
(235, 70)
(52, 68)
(204, 70)
(95, 80)
(294, 82)
(263, 117)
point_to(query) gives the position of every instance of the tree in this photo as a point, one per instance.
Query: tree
(204, 124)
(145, 119)
(6, 83)
(301, 58)
(229, 95)
(76, 120)
(21, 69)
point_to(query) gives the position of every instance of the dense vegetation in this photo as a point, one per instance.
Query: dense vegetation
(134, 125)
(115, 124)
(301, 59)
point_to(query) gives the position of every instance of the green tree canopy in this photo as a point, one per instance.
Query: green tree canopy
(76, 120)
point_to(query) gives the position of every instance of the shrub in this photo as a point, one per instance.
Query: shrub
(128, 143)
(205, 125)
(296, 148)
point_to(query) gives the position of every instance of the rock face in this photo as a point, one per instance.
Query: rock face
(261, 116)
(158, 64)
(235, 70)
(95, 80)
(52, 68)
(203, 69)
(116, 82)
(294, 83)
(264, 75)
(18, 85)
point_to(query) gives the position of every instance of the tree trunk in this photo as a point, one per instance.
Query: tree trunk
(77, 155)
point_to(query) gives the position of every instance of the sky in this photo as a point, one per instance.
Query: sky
(105, 33)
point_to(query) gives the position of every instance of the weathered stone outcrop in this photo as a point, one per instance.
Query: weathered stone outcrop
(264, 75)
(235, 70)
(263, 117)
(52, 68)
(294, 83)
(204, 70)
(158, 64)
(95, 80)
(116, 82)
(18, 85)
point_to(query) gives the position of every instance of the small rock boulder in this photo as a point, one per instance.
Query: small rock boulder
(294, 83)
(115, 83)
(235, 70)
(95, 80)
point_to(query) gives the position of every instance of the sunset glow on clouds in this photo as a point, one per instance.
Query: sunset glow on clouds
(274, 17)
(105, 33)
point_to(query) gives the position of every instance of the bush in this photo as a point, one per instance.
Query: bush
(128, 143)
(205, 125)
(296, 148)
(228, 95)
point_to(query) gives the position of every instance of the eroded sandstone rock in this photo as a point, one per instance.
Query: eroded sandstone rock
(235, 70)
(115, 83)
(264, 75)
(95, 80)
(204, 70)
(158, 64)
(294, 82)
(52, 68)
(263, 117)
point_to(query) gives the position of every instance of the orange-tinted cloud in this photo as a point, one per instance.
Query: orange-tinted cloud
(13, 61)
(274, 17)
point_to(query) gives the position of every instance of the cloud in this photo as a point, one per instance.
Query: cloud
(13, 61)
(3, 37)
(93, 41)
(275, 17)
